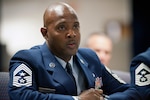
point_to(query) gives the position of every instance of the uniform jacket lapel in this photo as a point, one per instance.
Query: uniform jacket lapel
(57, 71)
(88, 74)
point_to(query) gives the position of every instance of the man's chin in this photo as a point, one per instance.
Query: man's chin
(72, 52)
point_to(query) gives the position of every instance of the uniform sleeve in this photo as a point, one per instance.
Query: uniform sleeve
(116, 88)
(112, 85)
(140, 78)
(140, 73)
(23, 84)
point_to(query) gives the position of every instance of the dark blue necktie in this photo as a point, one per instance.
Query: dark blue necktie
(69, 70)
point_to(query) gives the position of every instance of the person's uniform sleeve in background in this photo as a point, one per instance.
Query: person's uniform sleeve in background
(140, 74)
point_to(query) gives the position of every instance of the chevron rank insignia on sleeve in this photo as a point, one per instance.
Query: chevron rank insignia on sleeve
(142, 75)
(22, 76)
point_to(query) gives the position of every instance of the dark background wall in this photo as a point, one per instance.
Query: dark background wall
(4, 56)
(141, 26)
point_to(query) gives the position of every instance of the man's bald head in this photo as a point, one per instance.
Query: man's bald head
(57, 10)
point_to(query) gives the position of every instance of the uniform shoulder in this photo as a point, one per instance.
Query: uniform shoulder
(143, 57)
(27, 53)
(88, 54)
(86, 50)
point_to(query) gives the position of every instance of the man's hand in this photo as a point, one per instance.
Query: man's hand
(91, 94)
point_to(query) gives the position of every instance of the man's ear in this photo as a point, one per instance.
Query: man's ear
(44, 32)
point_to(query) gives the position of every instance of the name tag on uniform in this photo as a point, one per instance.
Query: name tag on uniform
(46, 90)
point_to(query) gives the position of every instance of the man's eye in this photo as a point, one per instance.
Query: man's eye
(61, 27)
(76, 26)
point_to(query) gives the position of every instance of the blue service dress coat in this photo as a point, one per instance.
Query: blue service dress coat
(140, 73)
(35, 74)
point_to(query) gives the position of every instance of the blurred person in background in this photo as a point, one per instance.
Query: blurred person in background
(103, 46)
(140, 73)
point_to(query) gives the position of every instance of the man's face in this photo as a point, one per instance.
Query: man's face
(63, 33)
(103, 47)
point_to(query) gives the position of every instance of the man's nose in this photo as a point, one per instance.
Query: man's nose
(71, 34)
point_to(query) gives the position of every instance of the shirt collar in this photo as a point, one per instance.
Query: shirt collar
(63, 63)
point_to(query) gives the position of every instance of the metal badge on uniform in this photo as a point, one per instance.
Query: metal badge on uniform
(52, 65)
(82, 61)
(93, 74)
(142, 75)
(22, 76)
